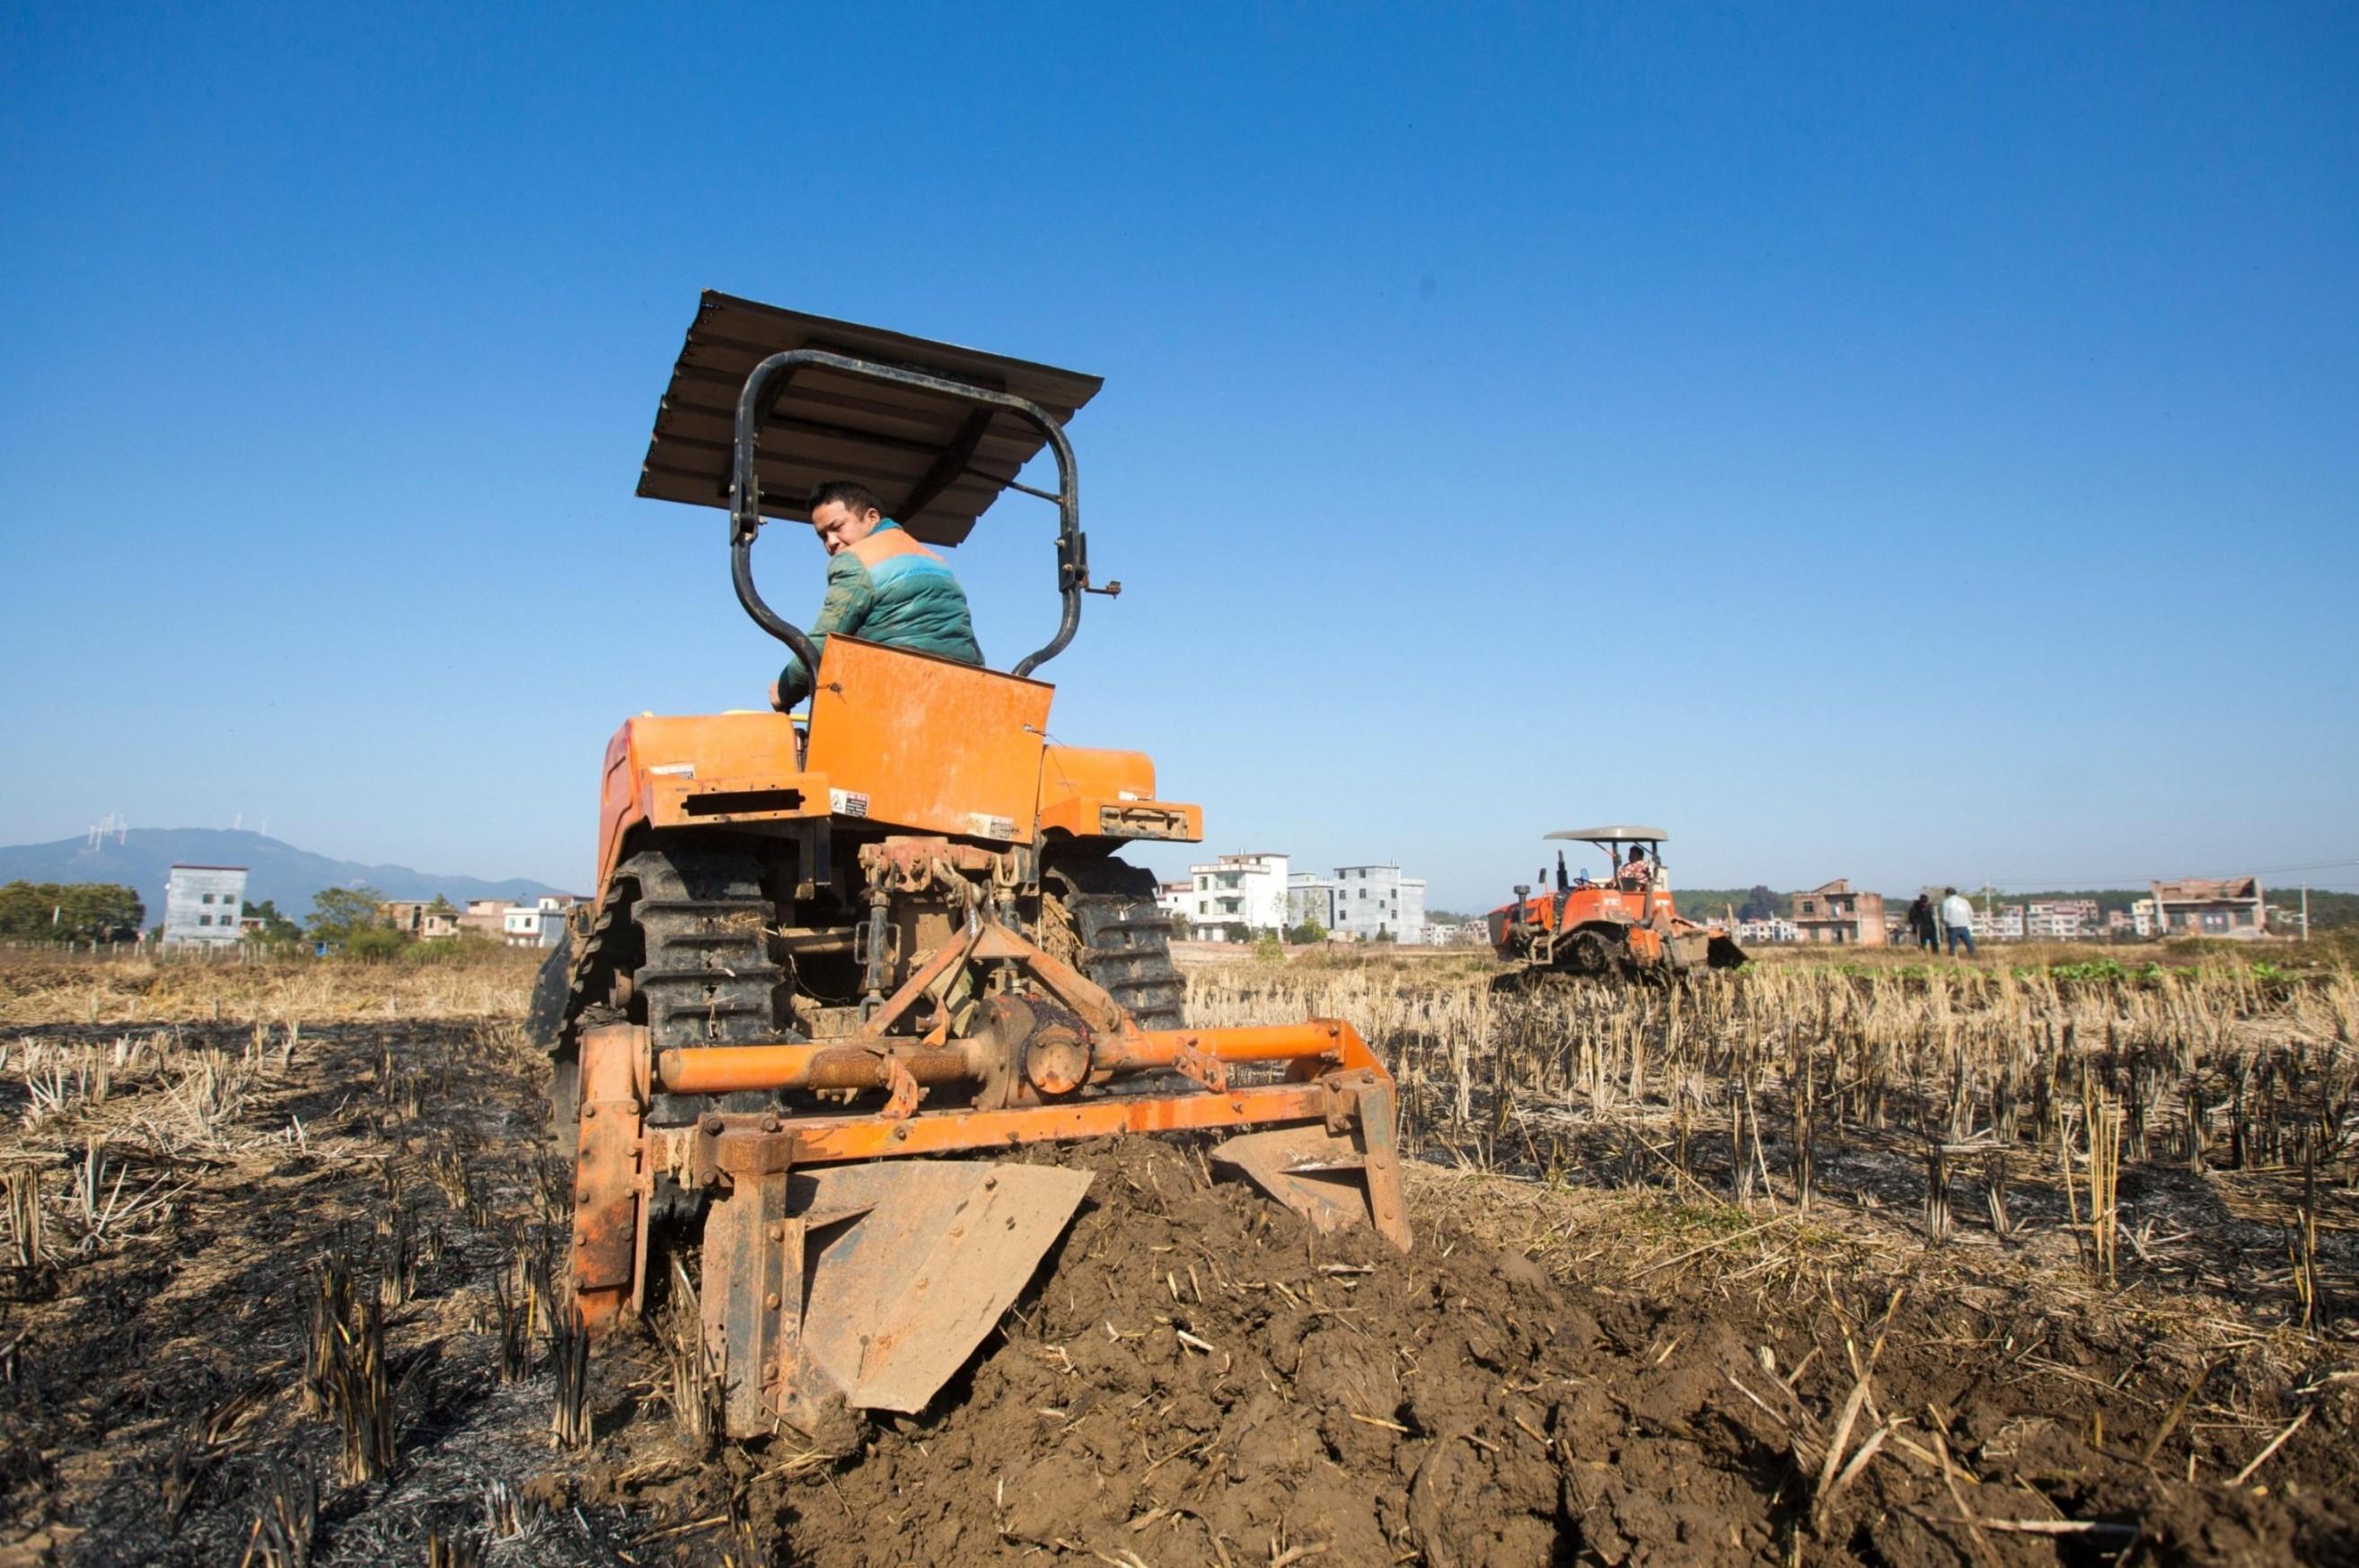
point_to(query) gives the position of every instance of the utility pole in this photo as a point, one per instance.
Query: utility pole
(2305, 912)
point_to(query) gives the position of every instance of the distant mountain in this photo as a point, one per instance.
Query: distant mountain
(274, 870)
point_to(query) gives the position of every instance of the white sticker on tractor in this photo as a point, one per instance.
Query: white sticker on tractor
(985, 825)
(674, 770)
(847, 802)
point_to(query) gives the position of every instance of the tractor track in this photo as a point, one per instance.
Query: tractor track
(1123, 938)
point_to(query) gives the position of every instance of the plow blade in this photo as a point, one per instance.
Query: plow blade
(1325, 1177)
(926, 1256)
(869, 1284)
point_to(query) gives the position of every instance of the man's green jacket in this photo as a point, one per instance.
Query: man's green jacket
(889, 589)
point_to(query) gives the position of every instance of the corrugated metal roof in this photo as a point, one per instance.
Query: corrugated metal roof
(937, 462)
(1652, 835)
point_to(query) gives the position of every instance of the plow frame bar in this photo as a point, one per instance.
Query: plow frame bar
(1334, 1081)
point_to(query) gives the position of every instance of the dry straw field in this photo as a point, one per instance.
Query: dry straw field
(1971, 1264)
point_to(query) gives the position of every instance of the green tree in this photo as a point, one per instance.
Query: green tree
(276, 928)
(1759, 904)
(353, 919)
(70, 911)
(1307, 933)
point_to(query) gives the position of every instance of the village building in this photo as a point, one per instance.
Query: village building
(1375, 902)
(1311, 900)
(540, 923)
(487, 916)
(1833, 913)
(1236, 896)
(1474, 932)
(2203, 906)
(202, 905)
(1171, 897)
(2001, 922)
(2060, 919)
(420, 918)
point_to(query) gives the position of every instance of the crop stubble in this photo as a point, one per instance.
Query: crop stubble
(1639, 1343)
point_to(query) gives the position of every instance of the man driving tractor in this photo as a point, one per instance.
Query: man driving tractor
(882, 586)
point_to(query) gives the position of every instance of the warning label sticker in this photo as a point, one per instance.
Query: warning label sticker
(984, 825)
(847, 802)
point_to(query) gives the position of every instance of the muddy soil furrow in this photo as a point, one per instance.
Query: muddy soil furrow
(1559, 1374)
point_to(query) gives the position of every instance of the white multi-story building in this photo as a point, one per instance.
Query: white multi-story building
(540, 923)
(1774, 928)
(2060, 919)
(1237, 895)
(1175, 898)
(2000, 923)
(1311, 900)
(201, 905)
(1378, 901)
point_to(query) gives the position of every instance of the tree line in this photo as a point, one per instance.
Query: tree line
(70, 911)
(350, 919)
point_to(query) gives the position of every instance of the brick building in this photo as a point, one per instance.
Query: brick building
(2203, 906)
(1834, 913)
(420, 919)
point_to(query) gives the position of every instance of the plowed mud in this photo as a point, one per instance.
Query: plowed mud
(1197, 1378)
(1193, 1376)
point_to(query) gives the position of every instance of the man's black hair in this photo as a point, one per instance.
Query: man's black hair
(847, 492)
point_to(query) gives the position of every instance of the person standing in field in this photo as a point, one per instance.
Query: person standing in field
(1920, 923)
(1958, 915)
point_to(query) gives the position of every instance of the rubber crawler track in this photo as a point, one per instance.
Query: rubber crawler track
(1125, 939)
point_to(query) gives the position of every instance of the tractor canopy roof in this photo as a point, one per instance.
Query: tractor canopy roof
(937, 462)
(1615, 835)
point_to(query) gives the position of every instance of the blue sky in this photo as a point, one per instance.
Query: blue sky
(1899, 443)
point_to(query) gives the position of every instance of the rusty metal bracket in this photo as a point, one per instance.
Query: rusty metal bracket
(752, 1255)
(608, 1259)
(1203, 1067)
(987, 938)
(1387, 1202)
(901, 1099)
(1339, 1171)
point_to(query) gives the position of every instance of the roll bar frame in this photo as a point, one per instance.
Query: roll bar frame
(761, 392)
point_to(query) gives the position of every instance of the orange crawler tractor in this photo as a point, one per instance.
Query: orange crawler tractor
(1620, 927)
(839, 958)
